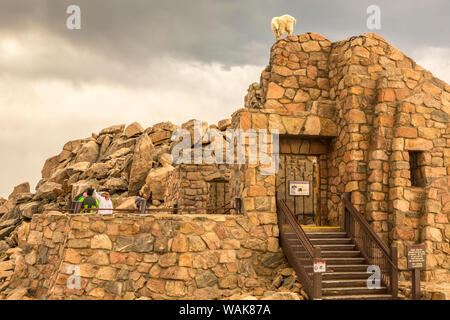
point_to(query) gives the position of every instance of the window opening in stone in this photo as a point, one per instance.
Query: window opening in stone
(219, 196)
(416, 173)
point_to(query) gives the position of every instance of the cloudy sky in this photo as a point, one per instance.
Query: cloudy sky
(151, 61)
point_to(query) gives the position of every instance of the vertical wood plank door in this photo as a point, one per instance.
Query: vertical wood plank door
(299, 168)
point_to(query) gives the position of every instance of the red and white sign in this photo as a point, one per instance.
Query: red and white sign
(320, 266)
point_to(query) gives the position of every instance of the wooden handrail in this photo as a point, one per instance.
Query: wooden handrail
(312, 284)
(365, 225)
(360, 231)
(297, 229)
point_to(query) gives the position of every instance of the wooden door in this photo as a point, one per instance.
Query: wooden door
(302, 171)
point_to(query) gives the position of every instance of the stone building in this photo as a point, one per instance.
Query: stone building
(355, 116)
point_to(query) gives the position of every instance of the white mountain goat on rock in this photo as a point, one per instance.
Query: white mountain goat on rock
(283, 24)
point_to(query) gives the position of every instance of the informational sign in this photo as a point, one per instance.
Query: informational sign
(299, 188)
(320, 266)
(416, 256)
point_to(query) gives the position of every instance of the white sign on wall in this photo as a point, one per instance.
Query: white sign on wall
(299, 188)
(320, 266)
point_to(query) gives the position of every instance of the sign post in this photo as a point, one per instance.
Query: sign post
(416, 259)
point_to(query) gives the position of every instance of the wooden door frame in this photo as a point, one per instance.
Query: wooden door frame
(316, 184)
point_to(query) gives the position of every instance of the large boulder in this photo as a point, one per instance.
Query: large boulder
(4, 232)
(88, 152)
(99, 170)
(197, 130)
(128, 204)
(160, 136)
(142, 162)
(79, 167)
(49, 190)
(166, 159)
(64, 156)
(118, 153)
(6, 207)
(106, 142)
(28, 209)
(79, 187)
(133, 129)
(17, 294)
(224, 124)
(74, 145)
(22, 198)
(21, 188)
(167, 126)
(50, 166)
(156, 182)
(60, 175)
(115, 184)
(117, 129)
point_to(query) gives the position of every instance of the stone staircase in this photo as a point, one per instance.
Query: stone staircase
(346, 275)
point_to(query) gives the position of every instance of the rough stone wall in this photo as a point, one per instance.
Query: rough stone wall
(156, 256)
(189, 185)
(379, 105)
(369, 103)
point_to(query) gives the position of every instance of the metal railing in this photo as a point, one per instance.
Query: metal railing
(76, 207)
(371, 246)
(299, 251)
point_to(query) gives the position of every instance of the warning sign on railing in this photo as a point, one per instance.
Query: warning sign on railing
(320, 266)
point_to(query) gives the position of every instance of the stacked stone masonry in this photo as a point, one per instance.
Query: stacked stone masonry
(155, 256)
(377, 123)
(377, 108)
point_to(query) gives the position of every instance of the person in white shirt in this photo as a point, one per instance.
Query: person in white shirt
(104, 202)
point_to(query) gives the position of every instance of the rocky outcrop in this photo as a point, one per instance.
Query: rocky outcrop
(121, 159)
(142, 162)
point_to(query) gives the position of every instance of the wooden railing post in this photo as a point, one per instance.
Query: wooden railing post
(317, 277)
(76, 206)
(346, 217)
(238, 203)
(394, 272)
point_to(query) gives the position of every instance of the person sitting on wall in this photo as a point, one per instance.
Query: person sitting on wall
(104, 202)
(90, 202)
(142, 199)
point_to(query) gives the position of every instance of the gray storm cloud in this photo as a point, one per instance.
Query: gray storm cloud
(152, 61)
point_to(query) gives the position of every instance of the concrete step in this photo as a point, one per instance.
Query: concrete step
(341, 283)
(318, 235)
(344, 268)
(359, 297)
(344, 261)
(340, 291)
(341, 253)
(345, 275)
(349, 261)
(321, 241)
(337, 247)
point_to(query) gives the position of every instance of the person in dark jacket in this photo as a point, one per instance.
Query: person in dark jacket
(90, 202)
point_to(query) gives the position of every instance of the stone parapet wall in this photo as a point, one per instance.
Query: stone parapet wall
(157, 256)
(189, 186)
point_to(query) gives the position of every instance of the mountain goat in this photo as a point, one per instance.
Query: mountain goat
(283, 24)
